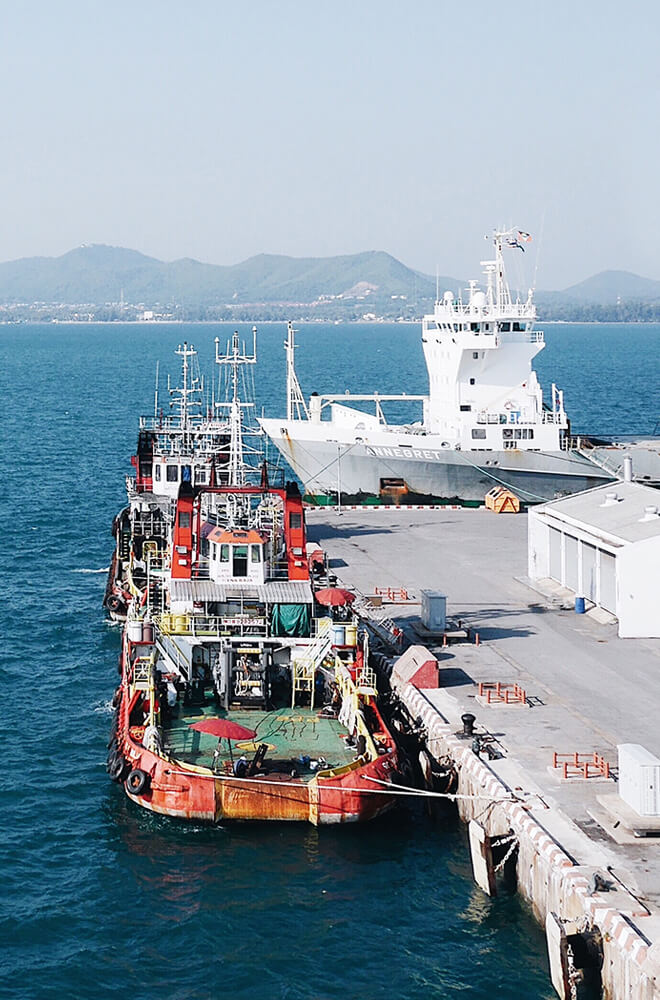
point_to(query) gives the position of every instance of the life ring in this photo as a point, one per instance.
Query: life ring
(116, 766)
(137, 781)
(114, 603)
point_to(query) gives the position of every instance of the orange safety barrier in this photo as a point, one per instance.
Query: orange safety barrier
(497, 693)
(581, 765)
(392, 593)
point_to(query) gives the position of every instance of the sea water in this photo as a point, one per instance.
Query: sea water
(103, 900)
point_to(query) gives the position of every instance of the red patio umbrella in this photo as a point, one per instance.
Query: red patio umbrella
(334, 597)
(224, 728)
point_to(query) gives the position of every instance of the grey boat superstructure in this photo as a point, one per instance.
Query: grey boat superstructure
(484, 421)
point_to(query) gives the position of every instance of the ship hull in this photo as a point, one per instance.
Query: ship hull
(424, 467)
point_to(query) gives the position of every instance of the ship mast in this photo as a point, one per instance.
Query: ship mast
(233, 359)
(294, 397)
(189, 386)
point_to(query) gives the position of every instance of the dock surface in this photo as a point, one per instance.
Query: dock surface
(586, 690)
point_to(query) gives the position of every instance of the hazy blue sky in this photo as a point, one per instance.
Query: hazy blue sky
(219, 130)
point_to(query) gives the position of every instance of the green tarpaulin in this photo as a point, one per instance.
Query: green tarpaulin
(290, 619)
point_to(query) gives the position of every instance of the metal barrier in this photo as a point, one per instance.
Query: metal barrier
(581, 765)
(497, 693)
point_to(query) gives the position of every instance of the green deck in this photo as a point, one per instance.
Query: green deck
(289, 732)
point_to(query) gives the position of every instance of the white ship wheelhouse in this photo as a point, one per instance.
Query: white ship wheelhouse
(483, 391)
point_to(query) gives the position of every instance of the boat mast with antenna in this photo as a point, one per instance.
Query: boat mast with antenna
(233, 359)
(296, 407)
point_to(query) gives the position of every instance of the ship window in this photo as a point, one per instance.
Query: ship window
(157, 473)
(214, 552)
(466, 408)
(295, 522)
(518, 327)
(472, 381)
(224, 553)
(505, 327)
(507, 433)
(240, 565)
(172, 473)
(479, 433)
(201, 475)
(474, 327)
(517, 433)
(184, 519)
(255, 553)
(475, 355)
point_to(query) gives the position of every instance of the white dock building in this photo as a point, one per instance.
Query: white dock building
(604, 546)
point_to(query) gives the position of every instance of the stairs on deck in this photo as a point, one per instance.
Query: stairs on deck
(304, 666)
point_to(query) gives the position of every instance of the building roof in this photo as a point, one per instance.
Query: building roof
(235, 537)
(271, 592)
(616, 511)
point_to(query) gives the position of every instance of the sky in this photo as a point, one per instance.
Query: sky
(218, 130)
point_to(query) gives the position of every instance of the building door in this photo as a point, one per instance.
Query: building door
(589, 572)
(607, 596)
(571, 579)
(555, 555)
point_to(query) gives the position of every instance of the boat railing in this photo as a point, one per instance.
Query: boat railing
(211, 626)
(522, 337)
(351, 715)
(505, 418)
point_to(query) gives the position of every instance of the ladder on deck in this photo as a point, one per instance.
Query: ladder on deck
(380, 622)
(303, 668)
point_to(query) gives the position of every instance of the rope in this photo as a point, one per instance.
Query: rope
(513, 847)
(391, 788)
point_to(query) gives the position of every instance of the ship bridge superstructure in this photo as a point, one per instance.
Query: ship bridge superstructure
(483, 391)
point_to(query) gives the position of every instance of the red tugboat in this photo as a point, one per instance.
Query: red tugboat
(239, 697)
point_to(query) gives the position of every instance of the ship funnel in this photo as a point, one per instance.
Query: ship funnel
(627, 469)
(650, 514)
(611, 500)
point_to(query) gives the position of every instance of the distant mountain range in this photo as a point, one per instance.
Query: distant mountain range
(373, 282)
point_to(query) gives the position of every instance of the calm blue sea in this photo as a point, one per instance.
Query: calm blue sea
(101, 900)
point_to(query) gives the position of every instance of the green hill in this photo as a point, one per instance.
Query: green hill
(100, 274)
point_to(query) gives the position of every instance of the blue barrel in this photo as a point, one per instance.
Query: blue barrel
(579, 606)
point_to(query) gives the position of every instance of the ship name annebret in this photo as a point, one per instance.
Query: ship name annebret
(431, 456)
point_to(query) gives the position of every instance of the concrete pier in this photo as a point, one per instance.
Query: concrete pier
(585, 691)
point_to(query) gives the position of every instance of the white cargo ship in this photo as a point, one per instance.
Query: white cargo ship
(483, 423)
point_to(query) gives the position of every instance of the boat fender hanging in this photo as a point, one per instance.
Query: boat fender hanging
(113, 603)
(137, 781)
(116, 698)
(116, 766)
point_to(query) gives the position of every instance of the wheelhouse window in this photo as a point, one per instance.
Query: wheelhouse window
(505, 327)
(255, 553)
(224, 553)
(240, 562)
(173, 473)
(479, 433)
(157, 473)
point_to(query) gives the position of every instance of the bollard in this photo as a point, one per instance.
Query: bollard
(468, 721)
